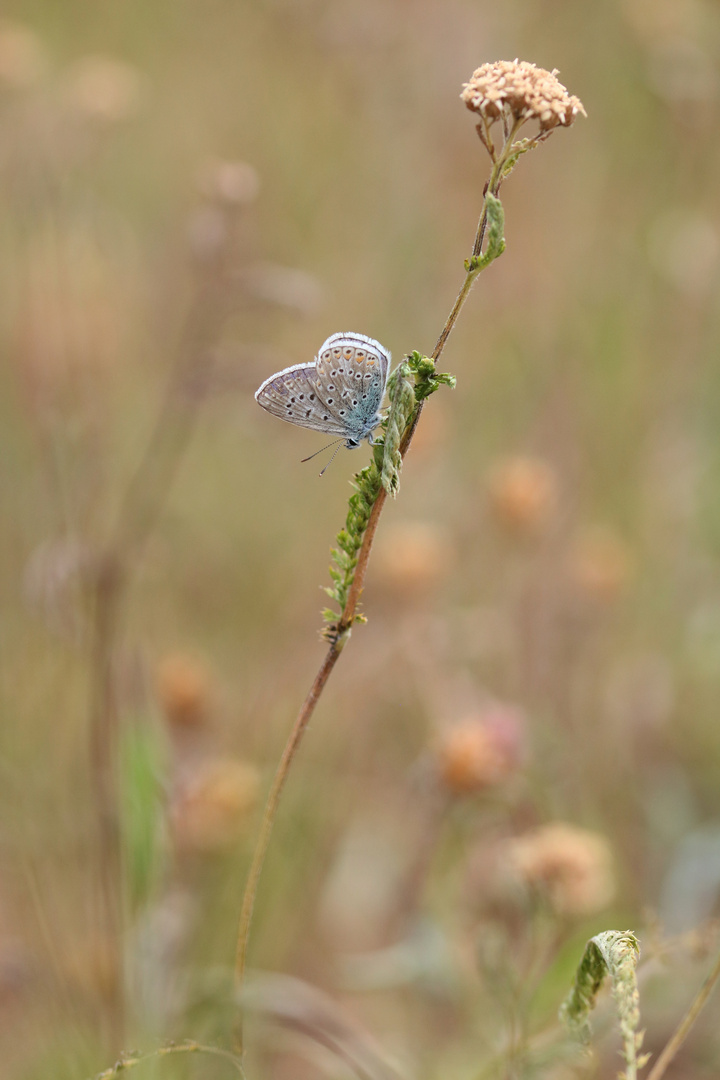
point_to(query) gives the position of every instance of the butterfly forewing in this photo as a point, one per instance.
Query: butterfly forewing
(293, 396)
(340, 393)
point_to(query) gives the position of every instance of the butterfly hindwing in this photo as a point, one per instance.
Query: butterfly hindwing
(340, 393)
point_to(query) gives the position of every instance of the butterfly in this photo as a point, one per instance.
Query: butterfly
(339, 393)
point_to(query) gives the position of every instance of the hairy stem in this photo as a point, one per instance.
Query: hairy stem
(129, 1062)
(492, 187)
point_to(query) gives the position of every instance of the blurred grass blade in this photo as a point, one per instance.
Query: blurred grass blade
(142, 769)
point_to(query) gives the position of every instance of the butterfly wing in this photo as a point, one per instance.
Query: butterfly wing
(292, 395)
(352, 371)
(340, 393)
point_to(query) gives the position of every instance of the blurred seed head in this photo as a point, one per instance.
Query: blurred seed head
(518, 90)
(600, 565)
(570, 867)
(232, 182)
(213, 805)
(22, 57)
(184, 686)
(414, 556)
(104, 89)
(481, 751)
(285, 286)
(208, 233)
(523, 494)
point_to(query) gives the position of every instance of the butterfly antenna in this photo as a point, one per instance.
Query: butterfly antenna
(321, 450)
(332, 458)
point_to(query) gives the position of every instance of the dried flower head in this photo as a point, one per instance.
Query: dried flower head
(571, 867)
(523, 493)
(600, 565)
(104, 89)
(22, 57)
(213, 806)
(515, 90)
(184, 690)
(481, 751)
(233, 182)
(414, 555)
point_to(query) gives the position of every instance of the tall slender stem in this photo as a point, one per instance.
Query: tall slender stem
(344, 625)
(687, 1022)
(103, 754)
(492, 187)
(271, 806)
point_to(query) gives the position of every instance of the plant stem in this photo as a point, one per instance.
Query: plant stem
(270, 811)
(344, 625)
(183, 1048)
(492, 187)
(685, 1025)
(107, 588)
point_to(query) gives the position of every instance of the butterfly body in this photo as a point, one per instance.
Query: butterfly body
(339, 393)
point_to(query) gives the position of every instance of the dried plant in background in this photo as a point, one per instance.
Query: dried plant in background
(217, 257)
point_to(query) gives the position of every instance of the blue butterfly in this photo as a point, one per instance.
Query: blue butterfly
(339, 393)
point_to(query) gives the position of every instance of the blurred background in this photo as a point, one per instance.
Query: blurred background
(522, 747)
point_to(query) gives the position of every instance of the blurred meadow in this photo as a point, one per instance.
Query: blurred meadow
(521, 748)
